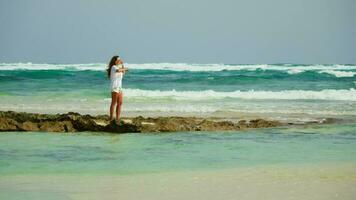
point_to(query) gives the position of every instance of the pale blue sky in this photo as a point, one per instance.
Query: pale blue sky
(191, 31)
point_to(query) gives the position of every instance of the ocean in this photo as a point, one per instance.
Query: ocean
(305, 161)
(282, 91)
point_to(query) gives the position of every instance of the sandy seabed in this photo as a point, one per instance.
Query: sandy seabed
(326, 181)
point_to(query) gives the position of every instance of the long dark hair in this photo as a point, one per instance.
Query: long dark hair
(111, 63)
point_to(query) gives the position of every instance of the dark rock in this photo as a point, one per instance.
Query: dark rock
(7, 124)
(329, 121)
(72, 122)
(242, 124)
(121, 128)
(51, 126)
(29, 126)
(261, 123)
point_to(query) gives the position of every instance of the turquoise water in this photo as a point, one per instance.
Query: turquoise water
(283, 91)
(292, 92)
(88, 153)
(221, 81)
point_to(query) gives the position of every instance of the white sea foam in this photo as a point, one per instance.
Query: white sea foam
(329, 94)
(339, 73)
(45, 66)
(220, 67)
(226, 103)
(144, 108)
(295, 69)
(214, 109)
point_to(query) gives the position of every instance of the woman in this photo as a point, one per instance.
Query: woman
(116, 71)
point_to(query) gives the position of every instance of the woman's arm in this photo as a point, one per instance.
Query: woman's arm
(122, 69)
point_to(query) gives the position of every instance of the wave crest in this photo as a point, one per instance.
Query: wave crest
(339, 73)
(291, 69)
(343, 95)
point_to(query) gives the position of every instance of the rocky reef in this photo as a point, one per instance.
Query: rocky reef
(75, 122)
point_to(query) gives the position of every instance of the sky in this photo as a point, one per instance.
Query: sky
(178, 31)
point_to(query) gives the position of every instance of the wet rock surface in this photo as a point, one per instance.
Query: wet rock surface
(75, 122)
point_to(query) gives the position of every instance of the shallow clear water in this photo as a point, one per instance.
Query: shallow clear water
(89, 153)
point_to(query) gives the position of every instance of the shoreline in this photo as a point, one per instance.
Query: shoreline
(75, 122)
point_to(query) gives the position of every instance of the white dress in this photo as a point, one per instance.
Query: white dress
(116, 79)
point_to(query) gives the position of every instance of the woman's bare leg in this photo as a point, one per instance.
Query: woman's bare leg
(118, 106)
(113, 103)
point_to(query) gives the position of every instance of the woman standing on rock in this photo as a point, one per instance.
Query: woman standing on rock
(116, 71)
